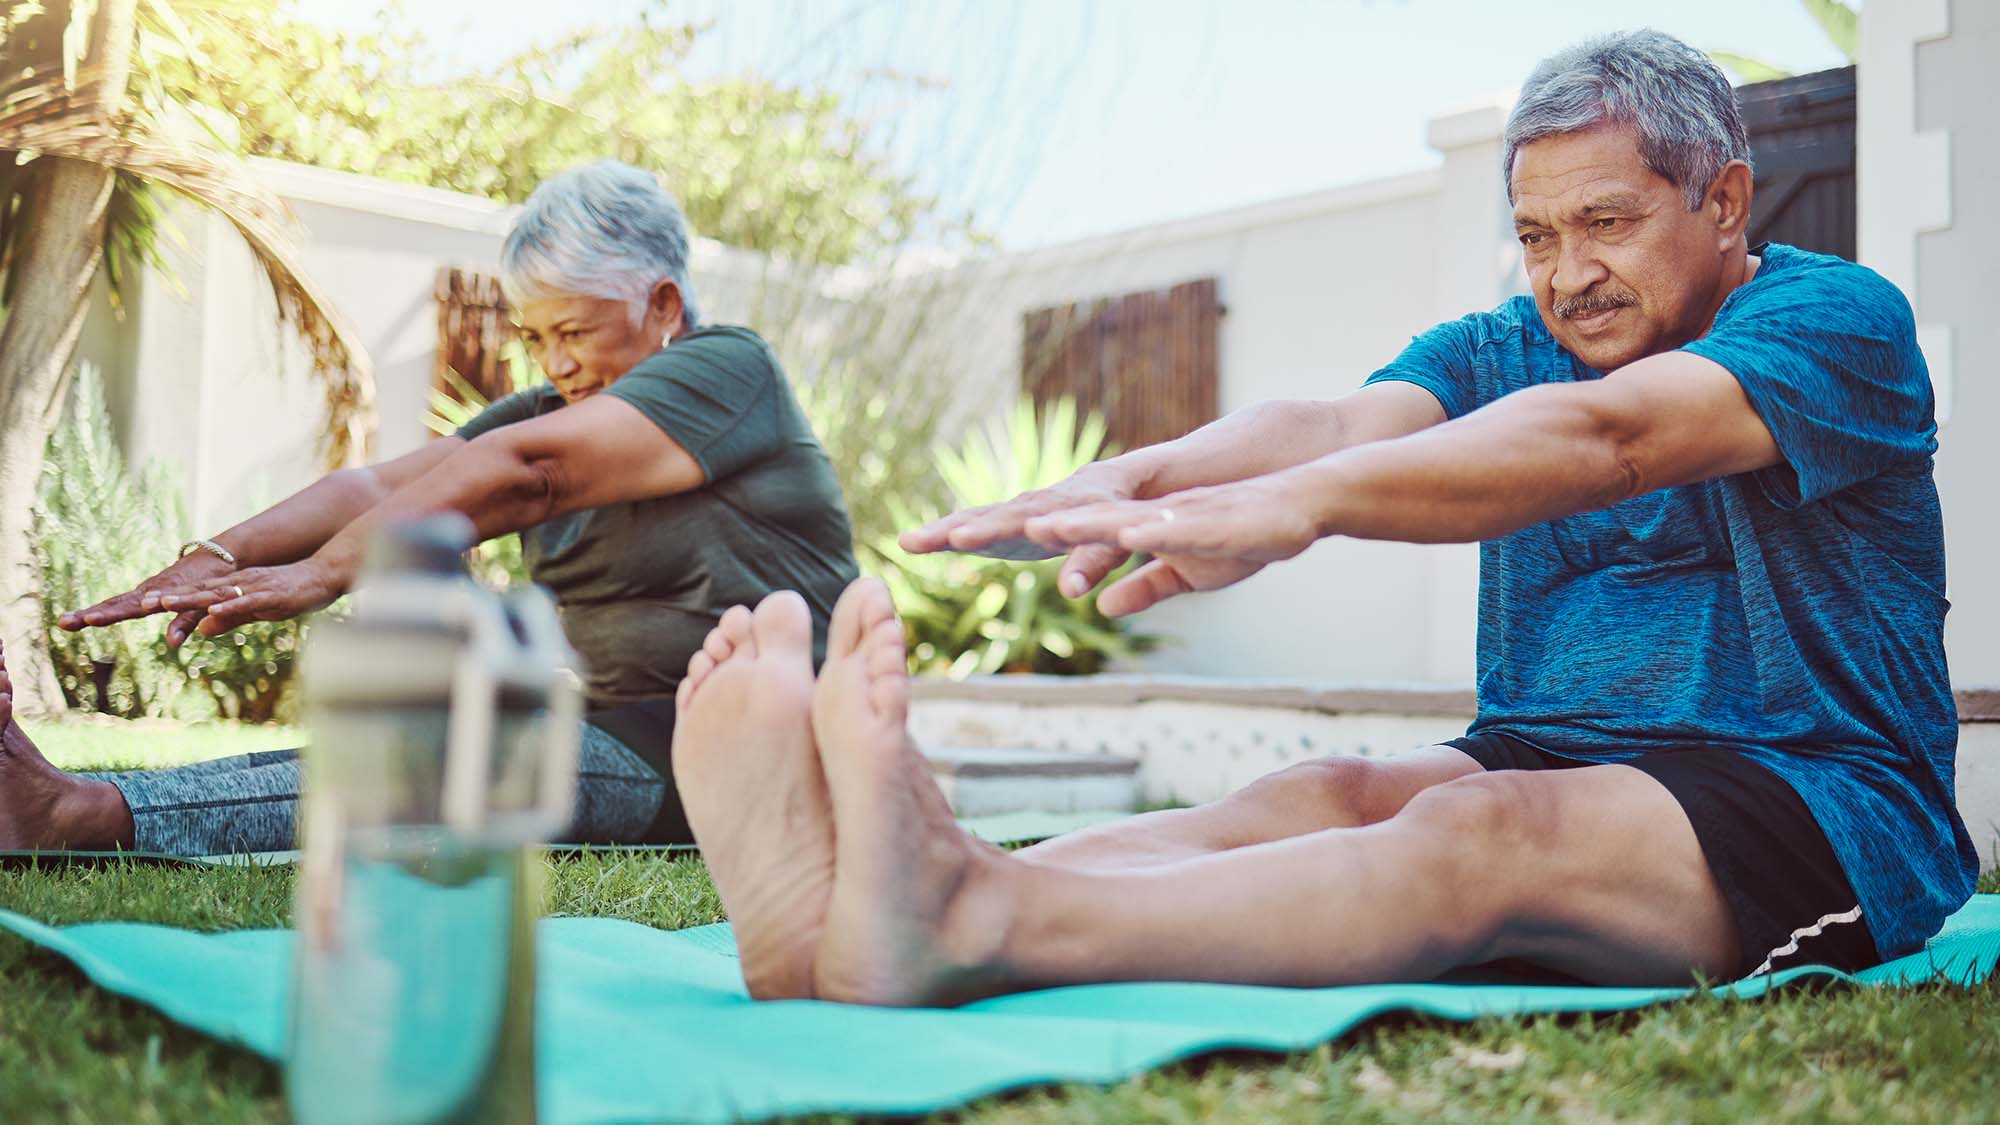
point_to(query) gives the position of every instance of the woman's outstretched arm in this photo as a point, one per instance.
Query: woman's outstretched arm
(287, 531)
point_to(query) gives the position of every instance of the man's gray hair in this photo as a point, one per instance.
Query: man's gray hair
(603, 229)
(1678, 100)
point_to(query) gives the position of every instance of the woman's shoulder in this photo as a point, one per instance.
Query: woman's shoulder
(532, 402)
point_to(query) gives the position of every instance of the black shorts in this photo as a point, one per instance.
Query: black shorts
(1791, 901)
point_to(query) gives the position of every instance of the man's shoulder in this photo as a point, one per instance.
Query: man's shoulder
(1514, 320)
(1824, 282)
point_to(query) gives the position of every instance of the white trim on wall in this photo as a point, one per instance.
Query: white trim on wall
(1902, 176)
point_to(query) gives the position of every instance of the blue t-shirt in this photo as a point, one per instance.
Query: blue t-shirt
(1794, 614)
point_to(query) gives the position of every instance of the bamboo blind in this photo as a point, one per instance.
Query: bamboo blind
(472, 325)
(1146, 361)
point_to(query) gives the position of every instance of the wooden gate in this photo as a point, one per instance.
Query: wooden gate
(1802, 145)
(1146, 361)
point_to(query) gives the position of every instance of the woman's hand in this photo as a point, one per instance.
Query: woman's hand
(1000, 529)
(143, 600)
(268, 593)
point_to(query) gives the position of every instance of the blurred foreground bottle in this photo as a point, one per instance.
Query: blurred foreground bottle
(444, 742)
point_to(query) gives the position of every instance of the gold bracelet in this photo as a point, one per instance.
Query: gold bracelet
(209, 545)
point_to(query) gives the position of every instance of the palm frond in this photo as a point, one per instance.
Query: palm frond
(1747, 69)
(45, 120)
(1842, 23)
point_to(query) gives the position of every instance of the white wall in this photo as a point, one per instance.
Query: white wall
(1957, 289)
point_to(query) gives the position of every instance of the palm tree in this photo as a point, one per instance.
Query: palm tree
(81, 161)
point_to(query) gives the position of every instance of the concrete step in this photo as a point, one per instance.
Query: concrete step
(983, 781)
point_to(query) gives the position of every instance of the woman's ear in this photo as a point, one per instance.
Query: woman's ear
(663, 306)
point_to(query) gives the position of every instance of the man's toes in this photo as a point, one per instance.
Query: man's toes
(886, 653)
(860, 606)
(782, 623)
(699, 666)
(731, 633)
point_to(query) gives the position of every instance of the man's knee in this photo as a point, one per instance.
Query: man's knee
(1506, 812)
(1489, 836)
(1335, 792)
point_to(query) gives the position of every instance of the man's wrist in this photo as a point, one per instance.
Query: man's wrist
(1131, 473)
(1319, 488)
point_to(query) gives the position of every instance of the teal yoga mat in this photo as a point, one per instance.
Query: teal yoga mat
(644, 1024)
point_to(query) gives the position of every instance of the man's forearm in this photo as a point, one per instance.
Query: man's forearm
(1253, 441)
(1536, 455)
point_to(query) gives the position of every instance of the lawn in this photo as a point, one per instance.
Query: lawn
(69, 1052)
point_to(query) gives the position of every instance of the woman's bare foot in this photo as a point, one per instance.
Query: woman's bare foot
(744, 763)
(44, 807)
(918, 908)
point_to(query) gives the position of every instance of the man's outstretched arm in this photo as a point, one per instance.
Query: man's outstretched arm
(1535, 455)
(1257, 440)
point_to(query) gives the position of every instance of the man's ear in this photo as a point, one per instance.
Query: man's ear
(1728, 201)
(664, 304)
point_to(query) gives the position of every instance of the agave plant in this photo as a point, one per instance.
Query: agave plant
(967, 615)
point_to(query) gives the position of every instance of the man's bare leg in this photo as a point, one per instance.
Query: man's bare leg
(1344, 792)
(744, 763)
(44, 807)
(1593, 871)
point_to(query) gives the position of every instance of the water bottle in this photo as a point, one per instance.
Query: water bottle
(444, 746)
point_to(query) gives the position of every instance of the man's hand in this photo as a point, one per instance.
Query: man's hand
(270, 593)
(143, 600)
(1263, 520)
(995, 525)
(1202, 539)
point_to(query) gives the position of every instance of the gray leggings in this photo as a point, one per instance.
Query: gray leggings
(250, 803)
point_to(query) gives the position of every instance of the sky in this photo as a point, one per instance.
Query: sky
(1053, 120)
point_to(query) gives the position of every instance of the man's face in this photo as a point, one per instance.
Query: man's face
(1620, 267)
(585, 343)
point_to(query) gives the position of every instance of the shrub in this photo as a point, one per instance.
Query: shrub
(969, 615)
(868, 425)
(101, 529)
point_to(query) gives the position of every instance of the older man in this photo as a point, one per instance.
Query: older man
(664, 472)
(1715, 729)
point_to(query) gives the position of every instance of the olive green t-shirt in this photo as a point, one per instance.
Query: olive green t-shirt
(640, 584)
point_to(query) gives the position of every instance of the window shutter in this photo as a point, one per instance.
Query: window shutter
(1146, 361)
(472, 326)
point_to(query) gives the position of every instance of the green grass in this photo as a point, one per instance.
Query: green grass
(96, 742)
(72, 1053)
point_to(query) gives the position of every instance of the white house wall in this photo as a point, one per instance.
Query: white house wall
(1957, 289)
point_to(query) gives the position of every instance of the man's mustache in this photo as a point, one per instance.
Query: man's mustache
(1567, 307)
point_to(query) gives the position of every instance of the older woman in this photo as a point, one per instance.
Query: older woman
(665, 473)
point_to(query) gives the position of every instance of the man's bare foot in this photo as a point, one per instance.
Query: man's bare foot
(744, 763)
(917, 914)
(44, 807)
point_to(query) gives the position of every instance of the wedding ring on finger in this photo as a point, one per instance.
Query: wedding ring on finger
(1166, 515)
(235, 592)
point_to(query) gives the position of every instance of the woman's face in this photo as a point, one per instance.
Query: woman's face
(586, 343)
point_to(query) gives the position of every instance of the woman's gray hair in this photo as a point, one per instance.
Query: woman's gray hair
(1680, 102)
(603, 229)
